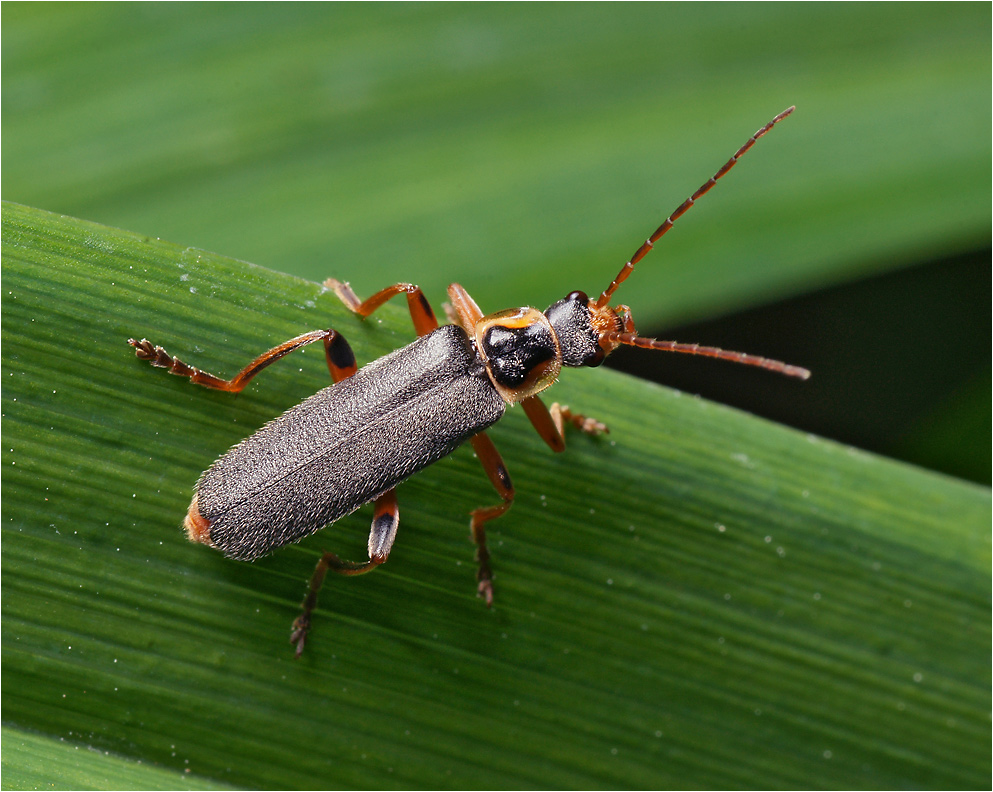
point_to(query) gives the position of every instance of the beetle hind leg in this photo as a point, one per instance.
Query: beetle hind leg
(385, 521)
(339, 356)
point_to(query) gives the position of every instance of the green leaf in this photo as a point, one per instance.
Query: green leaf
(63, 765)
(509, 145)
(699, 599)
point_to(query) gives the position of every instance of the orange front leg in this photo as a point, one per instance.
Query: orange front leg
(550, 422)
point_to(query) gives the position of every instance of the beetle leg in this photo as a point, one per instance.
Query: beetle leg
(420, 309)
(385, 521)
(340, 360)
(560, 414)
(547, 424)
(450, 314)
(386, 518)
(550, 422)
(463, 310)
(500, 478)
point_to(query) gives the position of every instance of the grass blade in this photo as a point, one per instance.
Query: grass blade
(701, 599)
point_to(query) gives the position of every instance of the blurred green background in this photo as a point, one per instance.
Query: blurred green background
(526, 150)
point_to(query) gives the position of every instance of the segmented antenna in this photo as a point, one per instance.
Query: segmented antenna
(626, 270)
(631, 339)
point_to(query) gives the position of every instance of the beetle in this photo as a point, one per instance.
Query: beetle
(353, 442)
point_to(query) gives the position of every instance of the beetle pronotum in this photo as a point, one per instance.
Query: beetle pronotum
(355, 441)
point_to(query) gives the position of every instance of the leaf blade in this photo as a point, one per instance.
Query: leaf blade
(647, 633)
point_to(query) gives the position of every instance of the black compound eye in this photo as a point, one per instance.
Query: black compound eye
(514, 353)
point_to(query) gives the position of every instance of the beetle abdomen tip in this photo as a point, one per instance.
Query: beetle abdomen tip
(197, 526)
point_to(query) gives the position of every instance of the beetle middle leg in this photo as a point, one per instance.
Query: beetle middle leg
(492, 463)
(418, 305)
(385, 521)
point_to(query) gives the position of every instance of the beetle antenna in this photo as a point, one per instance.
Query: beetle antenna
(626, 270)
(631, 339)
